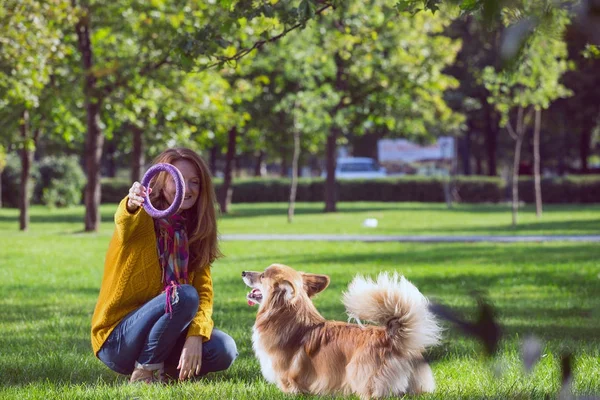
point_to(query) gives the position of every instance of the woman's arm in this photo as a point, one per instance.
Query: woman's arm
(202, 324)
(128, 224)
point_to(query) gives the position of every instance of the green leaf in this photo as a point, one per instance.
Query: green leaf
(469, 5)
(432, 5)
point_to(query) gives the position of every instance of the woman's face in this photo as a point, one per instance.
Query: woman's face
(191, 183)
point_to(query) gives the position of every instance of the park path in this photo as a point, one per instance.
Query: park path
(414, 239)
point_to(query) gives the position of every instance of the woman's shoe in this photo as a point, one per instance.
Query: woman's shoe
(146, 376)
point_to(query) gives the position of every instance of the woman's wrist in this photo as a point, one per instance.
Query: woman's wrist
(131, 208)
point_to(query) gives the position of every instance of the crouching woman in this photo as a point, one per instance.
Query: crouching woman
(154, 311)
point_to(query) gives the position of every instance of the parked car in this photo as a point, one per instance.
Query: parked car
(357, 168)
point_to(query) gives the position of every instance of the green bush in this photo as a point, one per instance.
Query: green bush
(11, 179)
(470, 189)
(114, 189)
(568, 189)
(61, 182)
(418, 189)
(480, 189)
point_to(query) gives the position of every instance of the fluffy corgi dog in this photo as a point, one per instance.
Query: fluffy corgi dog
(302, 352)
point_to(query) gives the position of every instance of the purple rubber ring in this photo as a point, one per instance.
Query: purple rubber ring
(179, 190)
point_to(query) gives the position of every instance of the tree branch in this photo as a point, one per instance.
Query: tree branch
(260, 43)
(511, 131)
(145, 70)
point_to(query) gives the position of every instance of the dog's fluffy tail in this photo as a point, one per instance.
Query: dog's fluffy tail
(394, 302)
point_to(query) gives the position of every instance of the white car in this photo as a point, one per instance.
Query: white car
(357, 168)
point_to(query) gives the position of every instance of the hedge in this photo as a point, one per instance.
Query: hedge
(570, 189)
(470, 189)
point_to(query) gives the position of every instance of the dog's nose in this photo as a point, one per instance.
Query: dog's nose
(243, 274)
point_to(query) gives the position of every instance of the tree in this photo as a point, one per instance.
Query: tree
(524, 90)
(386, 75)
(124, 50)
(32, 47)
(2, 166)
(346, 74)
(479, 49)
(128, 50)
(583, 108)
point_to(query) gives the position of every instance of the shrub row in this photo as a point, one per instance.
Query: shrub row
(60, 182)
(572, 189)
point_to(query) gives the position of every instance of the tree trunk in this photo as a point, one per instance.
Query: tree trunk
(515, 180)
(584, 145)
(283, 166)
(491, 142)
(294, 175)
(226, 191)
(536, 163)
(238, 167)
(111, 168)
(94, 138)
(259, 167)
(26, 161)
(137, 154)
(478, 165)
(466, 153)
(565, 139)
(518, 136)
(334, 133)
(449, 183)
(330, 200)
(213, 160)
(93, 154)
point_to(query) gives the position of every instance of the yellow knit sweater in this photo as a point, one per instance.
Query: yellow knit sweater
(132, 277)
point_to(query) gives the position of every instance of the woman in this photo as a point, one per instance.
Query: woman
(154, 311)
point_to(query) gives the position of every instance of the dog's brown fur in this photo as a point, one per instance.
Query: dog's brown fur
(302, 352)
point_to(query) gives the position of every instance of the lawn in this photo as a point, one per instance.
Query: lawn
(51, 276)
(393, 219)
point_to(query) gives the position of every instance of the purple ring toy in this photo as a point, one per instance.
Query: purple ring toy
(179, 190)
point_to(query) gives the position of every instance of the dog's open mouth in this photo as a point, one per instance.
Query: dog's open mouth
(254, 297)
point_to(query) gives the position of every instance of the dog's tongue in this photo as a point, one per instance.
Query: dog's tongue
(251, 302)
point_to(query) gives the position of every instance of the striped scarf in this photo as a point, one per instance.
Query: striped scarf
(173, 254)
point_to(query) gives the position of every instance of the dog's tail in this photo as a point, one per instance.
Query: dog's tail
(394, 302)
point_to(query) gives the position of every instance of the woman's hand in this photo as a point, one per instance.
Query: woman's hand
(191, 358)
(137, 195)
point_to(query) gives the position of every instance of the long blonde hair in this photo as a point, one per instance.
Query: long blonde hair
(201, 219)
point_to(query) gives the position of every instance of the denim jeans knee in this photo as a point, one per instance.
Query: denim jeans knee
(188, 300)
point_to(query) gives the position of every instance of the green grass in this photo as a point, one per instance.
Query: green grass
(393, 219)
(413, 219)
(51, 277)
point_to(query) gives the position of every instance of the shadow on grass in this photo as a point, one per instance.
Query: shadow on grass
(432, 255)
(64, 216)
(243, 211)
(585, 226)
(265, 209)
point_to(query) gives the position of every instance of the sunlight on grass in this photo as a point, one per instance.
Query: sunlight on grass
(51, 279)
(393, 219)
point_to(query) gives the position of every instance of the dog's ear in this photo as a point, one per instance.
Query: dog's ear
(314, 283)
(286, 290)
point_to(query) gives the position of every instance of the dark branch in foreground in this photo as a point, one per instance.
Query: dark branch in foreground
(244, 52)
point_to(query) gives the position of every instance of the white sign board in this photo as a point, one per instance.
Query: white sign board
(391, 150)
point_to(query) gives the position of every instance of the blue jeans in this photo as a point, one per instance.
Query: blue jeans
(151, 337)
